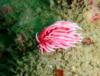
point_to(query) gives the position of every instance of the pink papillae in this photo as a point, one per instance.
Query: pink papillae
(61, 34)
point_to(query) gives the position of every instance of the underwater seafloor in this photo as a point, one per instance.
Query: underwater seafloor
(82, 60)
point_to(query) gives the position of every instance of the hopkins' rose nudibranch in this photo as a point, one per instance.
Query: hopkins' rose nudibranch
(61, 34)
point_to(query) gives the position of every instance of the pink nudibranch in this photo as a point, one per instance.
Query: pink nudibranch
(61, 34)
